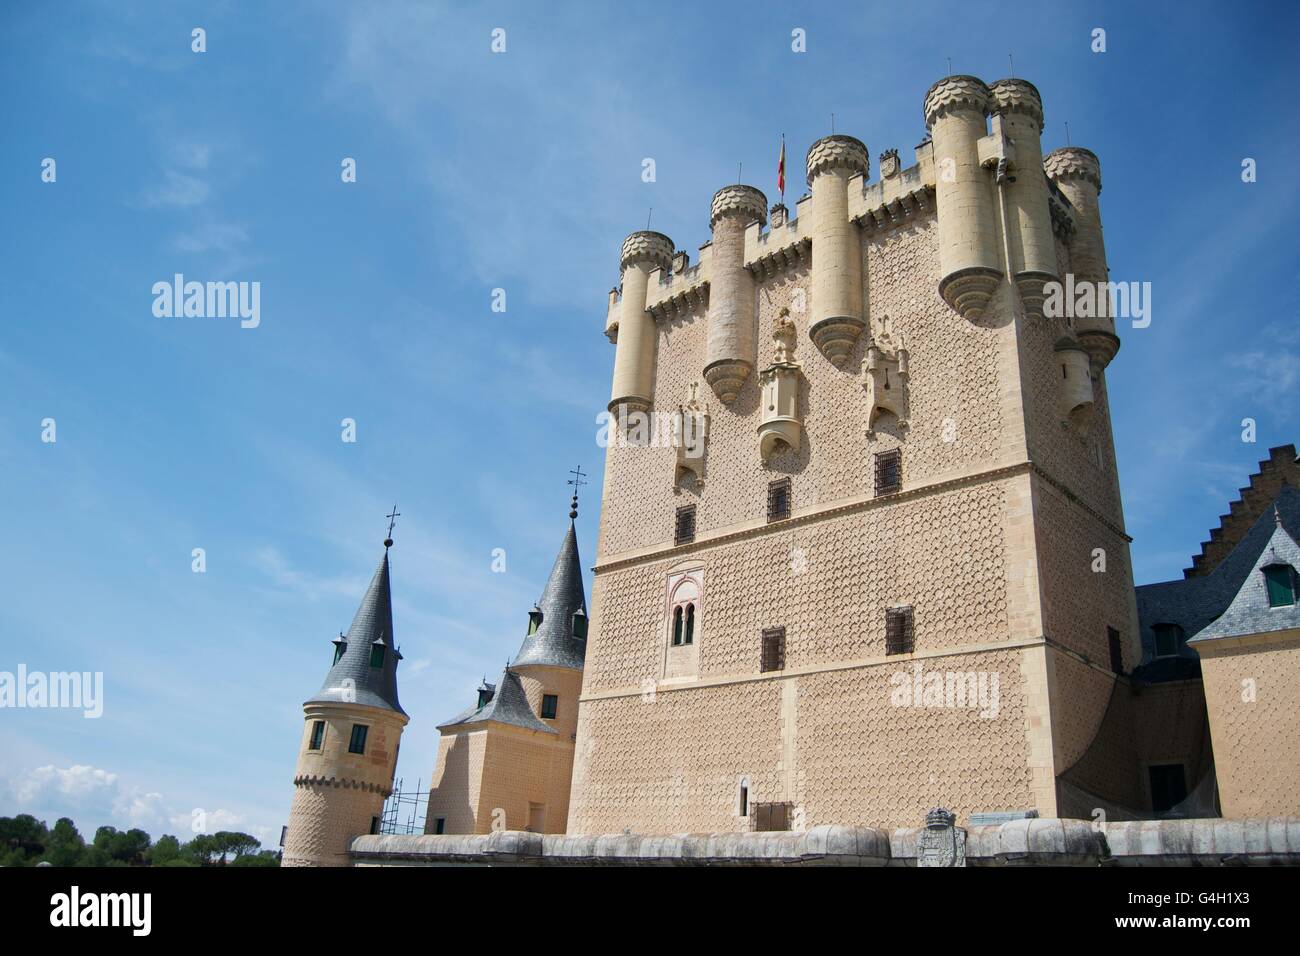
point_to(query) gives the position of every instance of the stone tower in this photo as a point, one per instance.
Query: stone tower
(351, 737)
(905, 581)
(507, 762)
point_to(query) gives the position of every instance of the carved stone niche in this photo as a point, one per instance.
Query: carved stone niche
(690, 436)
(780, 423)
(885, 376)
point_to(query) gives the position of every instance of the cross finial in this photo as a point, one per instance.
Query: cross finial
(577, 483)
(392, 520)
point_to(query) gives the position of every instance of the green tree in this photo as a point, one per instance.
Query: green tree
(65, 846)
(166, 849)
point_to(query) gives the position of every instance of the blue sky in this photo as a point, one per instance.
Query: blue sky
(477, 171)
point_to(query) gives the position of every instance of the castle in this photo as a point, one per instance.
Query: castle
(883, 566)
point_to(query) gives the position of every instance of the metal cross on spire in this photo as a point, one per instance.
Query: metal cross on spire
(392, 520)
(577, 483)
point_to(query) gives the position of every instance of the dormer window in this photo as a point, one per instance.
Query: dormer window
(377, 654)
(1168, 639)
(1279, 579)
(534, 619)
(580, 625)
(340, 648)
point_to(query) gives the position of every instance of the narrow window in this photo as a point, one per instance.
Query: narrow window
(889, 471)
(1168, 639)
(534, 619)
(677, 626)
(317, 735)
(690, 625)
(340, 648)
(580, 625)
(1116, 650)
(376, 655)
(684, 532)
(1280, 580)
(778, 499)
(898, 631)
(357, 745)
(374, 825)
(744, 797)
(550, 702)
(773, 657)
(440, 825)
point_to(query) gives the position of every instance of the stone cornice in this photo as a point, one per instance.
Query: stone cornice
(344, 783)
(845, 506)
(914, 204)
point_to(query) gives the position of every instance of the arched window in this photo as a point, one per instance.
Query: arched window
(1279, 579)
(690, 624)
(742, 797)
(677, 626)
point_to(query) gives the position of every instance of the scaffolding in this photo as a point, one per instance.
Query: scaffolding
(405, 810)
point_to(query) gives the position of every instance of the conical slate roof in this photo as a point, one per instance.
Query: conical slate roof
(509, 705)
(553, 642)
(352, 679)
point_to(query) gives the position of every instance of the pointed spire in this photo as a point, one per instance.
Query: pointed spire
(365, 671)
(560, 637)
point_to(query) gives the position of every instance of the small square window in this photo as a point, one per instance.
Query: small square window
(1168, 638)
(550, 703)
(889, 471)
(773, 658)
(899, 637)
(684, 530)
(778, 499)
(357, 745)
(317, 735)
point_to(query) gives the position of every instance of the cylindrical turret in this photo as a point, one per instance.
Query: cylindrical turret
(732, 319)
(634, 356)
(1077, 173)
(1076, 382)
(969, 257)
(1029, 220)
(838, 296)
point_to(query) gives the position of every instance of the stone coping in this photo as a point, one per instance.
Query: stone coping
(1026, 842)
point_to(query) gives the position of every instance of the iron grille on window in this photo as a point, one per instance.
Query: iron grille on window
(1116, 650)
(889, 471)
(778, 499)
(772, 816)
(898, 630)
(773, 649)
(684, 532)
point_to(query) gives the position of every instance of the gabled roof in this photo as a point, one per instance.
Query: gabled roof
(1194, 603)
(553, 642)
(509, 705)
(352, 679)
(1249, 612)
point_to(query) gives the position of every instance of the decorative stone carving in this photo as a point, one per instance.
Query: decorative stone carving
(1073, 162)
(680, 262)
(738, 200)
(1014, 95)
(780, 424)
(889, 164)
(838, 152)
(941, 843)
(956, 93)
(779, 215)
(885, 376)
(1076, 403)
(836, 337)
(691, 431)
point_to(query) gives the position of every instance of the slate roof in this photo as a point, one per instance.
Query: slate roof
(509, 705)
(1249, 612)
(371, 686)
(553, 643)
(1194, 603)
